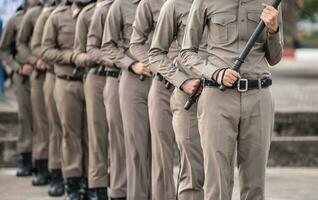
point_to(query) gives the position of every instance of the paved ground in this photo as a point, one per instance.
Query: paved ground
(282, 184)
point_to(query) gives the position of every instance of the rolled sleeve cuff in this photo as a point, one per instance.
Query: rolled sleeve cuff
(127, 62)
(179, 78)
(274, 37)
(67, 57)
(209, 71)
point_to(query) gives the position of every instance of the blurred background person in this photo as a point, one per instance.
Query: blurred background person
(290, 18)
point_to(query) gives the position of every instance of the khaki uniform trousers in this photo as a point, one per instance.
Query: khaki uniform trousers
(40, 119)
(118, 177)
(97, 132)
(69, 96)
(162, 142)
(231, 119)
(185, 125)
(25, 126)
(55, 127)
(133, 95)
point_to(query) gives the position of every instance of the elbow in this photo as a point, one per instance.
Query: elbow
(274, 60)
(133, 48)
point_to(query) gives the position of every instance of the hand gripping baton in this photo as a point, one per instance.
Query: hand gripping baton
(240, 60)
(249, 45)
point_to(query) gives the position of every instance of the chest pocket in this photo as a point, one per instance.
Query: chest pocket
(253, 21)
(222, 27)
(66, 35)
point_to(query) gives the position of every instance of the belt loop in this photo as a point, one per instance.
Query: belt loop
(259, 83)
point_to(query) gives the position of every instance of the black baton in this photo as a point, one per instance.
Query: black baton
(249, 45)
(193, 98)
(142, 77)
(76, 72)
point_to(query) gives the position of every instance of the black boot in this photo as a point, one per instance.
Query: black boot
(96, 194)
(120, 198)
(57, 185)
(43, 175)
(73, 187)
(26, 167)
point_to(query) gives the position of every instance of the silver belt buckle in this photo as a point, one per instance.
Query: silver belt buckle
(239, 88)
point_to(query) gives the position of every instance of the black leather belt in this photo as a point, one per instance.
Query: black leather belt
(98, 70)
(113, 74)
(243, 85)
(70, 78)
(159, 77)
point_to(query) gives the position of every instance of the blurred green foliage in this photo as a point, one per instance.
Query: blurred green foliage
(310, 11)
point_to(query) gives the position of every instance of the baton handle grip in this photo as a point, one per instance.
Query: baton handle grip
(191, 100)
(142, 77)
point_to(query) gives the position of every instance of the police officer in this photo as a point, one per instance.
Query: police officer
(99, 86)
(83, 61)
(40, 136)
(57, 47)
(46, 86)
(160, 117)
(169, 31)
(244, 113)
(13, 58)
(132, 95)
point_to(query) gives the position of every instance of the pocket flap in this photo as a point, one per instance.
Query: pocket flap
(254, 17)
(223, 19)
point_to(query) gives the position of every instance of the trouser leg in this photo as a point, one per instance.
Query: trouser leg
(41, 136)
(25, 127)
(55, 128)
(133, 102)
(254, 140)
(162, 142)
(118, 176)
(69, 97)
(219, 117)
(97, 132)
(185, 125)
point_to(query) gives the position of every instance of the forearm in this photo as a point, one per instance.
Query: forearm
(274, 48)
(36, 51)
(160, 62)
(140, 52)
(58, 56)
(117, 55)
(200, 67)
(95, 54)
(83, 60)
(26, 55)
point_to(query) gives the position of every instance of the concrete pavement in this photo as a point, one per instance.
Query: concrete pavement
(282, 184)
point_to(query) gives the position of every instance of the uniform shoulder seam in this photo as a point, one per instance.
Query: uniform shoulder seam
(59, 9)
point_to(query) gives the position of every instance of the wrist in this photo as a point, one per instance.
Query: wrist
(130, 67)
(274, 31)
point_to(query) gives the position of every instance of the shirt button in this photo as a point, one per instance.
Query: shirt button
(242, 20)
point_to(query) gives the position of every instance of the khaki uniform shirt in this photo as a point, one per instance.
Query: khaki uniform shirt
(143, 28)
(117, 32)
(39, 29)
(95, 33)
(58, 39)
(169, 31)
(81, 58)
(25, 35)
(230, 24)
(8, 38)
